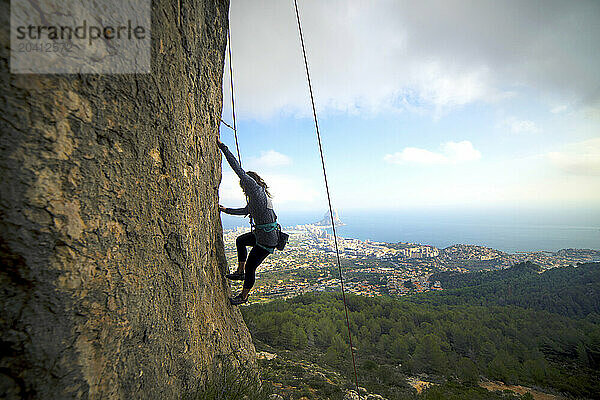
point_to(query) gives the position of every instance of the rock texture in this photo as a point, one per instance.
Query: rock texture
(111, 254)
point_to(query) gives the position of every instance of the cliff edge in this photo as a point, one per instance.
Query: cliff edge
(111, 251)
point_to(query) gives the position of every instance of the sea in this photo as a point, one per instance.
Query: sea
(517, 230)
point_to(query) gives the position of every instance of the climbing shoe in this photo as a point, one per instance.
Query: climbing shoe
(237, 300)
(236, 276)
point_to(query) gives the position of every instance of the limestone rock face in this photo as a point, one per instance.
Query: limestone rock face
(111, 254)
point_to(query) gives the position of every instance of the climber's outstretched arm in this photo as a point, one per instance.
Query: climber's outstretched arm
(234, 211)
(233, 162)
(248, 184)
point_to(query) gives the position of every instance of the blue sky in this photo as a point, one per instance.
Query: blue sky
(436, 104)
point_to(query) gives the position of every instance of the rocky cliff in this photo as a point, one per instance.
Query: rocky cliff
(111, 254)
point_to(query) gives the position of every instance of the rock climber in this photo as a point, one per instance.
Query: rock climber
(264, 236)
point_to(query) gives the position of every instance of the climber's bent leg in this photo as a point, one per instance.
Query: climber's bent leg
(247, 239)
(256, 256)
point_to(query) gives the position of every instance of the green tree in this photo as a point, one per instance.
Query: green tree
(467, 371)
(428, 356)
(299, 339)
(336, 352)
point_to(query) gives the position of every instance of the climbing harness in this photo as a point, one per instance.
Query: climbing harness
(282, 238)
(267, 227)
(337, 252)
(271, 250)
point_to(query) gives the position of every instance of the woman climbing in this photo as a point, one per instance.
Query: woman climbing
(265, 233)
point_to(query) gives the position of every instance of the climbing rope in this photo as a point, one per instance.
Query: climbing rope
(237, 146)
(226, 124)
(337, 252)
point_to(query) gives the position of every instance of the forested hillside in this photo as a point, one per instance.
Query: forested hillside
(451, 337)
(570, 291)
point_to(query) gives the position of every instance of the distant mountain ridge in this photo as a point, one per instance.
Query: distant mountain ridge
(326, 220)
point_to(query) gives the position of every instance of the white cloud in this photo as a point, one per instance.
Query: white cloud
(520, 126)
(558, 109)
(582, 158)
(443, 88)
(270, 159)
(452, 153)
(388, 55)
(459, 152)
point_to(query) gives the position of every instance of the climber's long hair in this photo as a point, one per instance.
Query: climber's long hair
(260, 181)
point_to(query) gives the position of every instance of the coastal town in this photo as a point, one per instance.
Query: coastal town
(370, 268)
